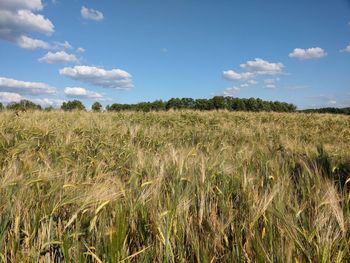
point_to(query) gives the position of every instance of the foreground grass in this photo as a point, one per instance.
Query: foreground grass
(174, 187)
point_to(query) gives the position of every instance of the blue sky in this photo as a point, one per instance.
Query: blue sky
(128, 51)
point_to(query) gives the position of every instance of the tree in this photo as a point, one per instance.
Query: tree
(96, 107)
(23, 105)
(72, 105)
(219, 102)
(49, 108)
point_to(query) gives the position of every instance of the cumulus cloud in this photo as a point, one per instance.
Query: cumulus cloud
(22, 21)
(64, 45)
(17, 20)
(309, 53)
(252, 81)
(270, 86)
(80, 50)
(262, 67)
(115, 78)
(21, 4)
(46, 102)
(347, 49)
(231, 91)
(7, 97)
(252, 70)
(91, 14)
(58, 57)
(82, 92)
(232, 75)
(24, 87)
(31, 43)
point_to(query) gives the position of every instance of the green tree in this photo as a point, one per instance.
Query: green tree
(49, 108)
(219, 102)
(72, 105)
(96, 107)
(23, 105)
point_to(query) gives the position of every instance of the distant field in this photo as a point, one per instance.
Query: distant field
(174, 187)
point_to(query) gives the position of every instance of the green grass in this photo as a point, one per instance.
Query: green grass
(174, 187)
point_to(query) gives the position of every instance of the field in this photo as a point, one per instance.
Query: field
(174, 187)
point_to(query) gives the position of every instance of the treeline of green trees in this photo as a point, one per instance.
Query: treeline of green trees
(215, 103)
(345, 111)
(29, 105)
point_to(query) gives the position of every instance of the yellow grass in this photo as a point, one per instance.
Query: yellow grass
(174, 187)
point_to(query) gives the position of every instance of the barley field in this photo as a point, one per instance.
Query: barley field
(174, 187)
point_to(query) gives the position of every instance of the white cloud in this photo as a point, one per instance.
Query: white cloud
(270, 86)
(347, 49)
(81, 92)
(45, 102)
(252, 81)
(115, 78)
(17, 20)
(253, 69)
(24, 87)
(92, 14)
(332, 102)
(64, 45)
(22, 21)
(309, 53)
(231, 91)
(21, 4)
(262, 67)
(80, 50)
(58, 57)
(31, 43)
(269, 81)
(7, 97)
(232, 75)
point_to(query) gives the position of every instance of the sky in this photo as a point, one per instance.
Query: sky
(129, 51)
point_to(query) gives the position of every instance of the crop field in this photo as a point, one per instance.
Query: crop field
(177, 186)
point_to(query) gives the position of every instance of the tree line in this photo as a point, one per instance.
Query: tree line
(215, 103)
(332, 110)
